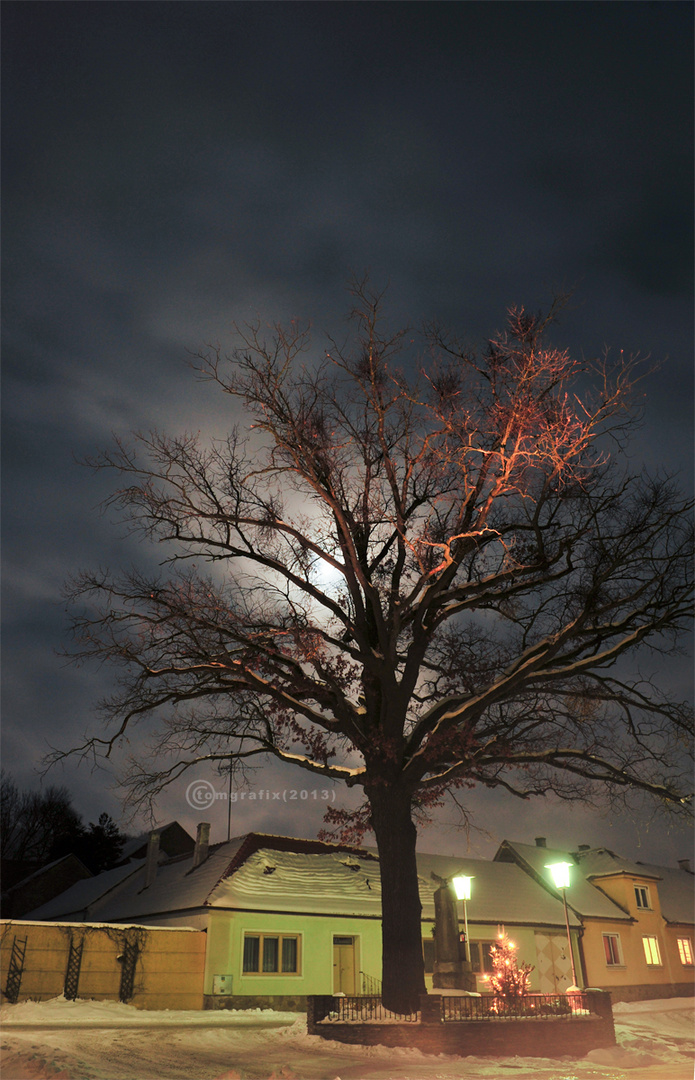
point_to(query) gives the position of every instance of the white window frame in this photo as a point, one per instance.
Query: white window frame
(280, 935)
(479, 945)
(685, 951)
(642, 893)
(650, 944)
(618, 949)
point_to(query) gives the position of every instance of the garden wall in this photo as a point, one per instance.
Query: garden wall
(149, 967)
(527, 1037)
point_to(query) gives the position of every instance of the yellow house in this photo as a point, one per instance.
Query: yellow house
(638, 920)
(656, 954)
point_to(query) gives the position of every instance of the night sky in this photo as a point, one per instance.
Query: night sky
(170, 168)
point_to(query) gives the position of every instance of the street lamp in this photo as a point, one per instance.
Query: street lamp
(561, 878)
(462, 887)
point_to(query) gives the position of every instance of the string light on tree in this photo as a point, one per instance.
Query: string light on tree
(509, 979)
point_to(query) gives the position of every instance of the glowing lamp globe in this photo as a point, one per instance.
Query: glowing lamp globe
(561, 874)
(462, 887)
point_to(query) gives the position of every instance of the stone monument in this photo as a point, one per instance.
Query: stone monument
(451, 970)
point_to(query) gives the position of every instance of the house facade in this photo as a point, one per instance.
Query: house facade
(656, 955)
(638, 920)
(285, 918)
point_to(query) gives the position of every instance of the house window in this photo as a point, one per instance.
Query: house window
(651, 951)
(642, 897)
(480, 957)
(611, 946)
(271, 954)
(685, 950)
(481, 960)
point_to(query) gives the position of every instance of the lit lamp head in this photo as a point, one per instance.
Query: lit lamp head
(561, 874)
(462, 887)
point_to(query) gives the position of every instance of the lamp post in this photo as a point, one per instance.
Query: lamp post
(561, 879)
(462, 887)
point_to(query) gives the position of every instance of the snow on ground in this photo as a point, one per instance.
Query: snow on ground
(59, 1013)
(91, 1040)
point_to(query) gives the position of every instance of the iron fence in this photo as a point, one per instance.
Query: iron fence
(365, 1007)
(370, 985)
(529, 1007)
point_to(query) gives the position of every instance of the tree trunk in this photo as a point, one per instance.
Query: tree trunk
(401, 911)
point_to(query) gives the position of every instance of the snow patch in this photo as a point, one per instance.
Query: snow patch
(52, 1040)
(621, 1058)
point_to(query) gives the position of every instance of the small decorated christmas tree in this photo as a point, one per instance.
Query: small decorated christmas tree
(509, 979)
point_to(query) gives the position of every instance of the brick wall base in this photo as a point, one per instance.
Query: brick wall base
(264, 1001)
(648, 991)
(500, 1038)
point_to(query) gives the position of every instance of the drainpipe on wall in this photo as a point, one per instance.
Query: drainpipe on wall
(580, 949)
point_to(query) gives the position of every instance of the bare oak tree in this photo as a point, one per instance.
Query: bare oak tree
(413, 584)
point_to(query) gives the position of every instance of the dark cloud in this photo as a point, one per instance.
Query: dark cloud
(171, 167)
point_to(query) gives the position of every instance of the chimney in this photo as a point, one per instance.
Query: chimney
(585, 847)
(684, 864)
(202, 842)
(152, 858)
(540, 841)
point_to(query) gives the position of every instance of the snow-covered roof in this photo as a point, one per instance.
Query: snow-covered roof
(177, 887)
(49, 866)
(332, 882)
(173, 840)
(78, 899)
(582, 896)
(676, 888)
(601, 862)
(500, 892)
(269, 873)
(343, 883)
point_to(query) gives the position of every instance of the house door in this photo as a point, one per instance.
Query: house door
(344, 965)
(553, 963)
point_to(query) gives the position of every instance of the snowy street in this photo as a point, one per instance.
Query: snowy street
(88, 1040)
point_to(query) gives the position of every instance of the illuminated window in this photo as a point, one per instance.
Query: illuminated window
(642, 897)
(480, 957)
(611, 946)
(685, 950)
(651, 951)
(481, 961)
(271, 954)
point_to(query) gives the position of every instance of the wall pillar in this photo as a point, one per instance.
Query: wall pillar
(431, 1008)
(599, 1002)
